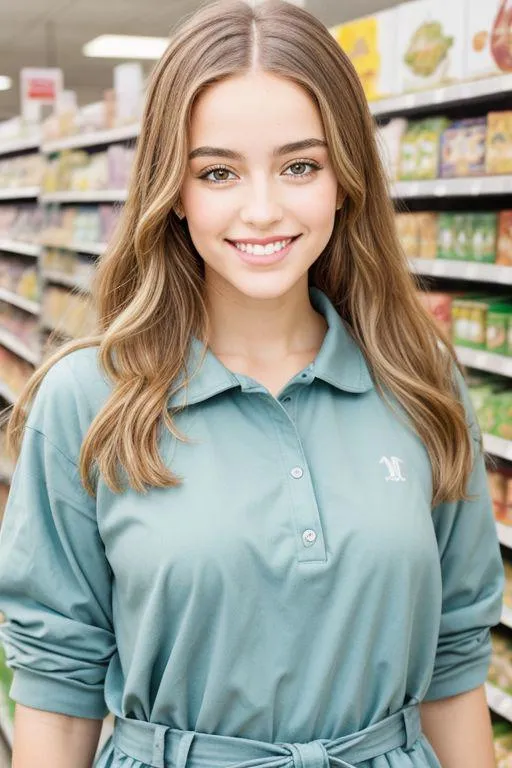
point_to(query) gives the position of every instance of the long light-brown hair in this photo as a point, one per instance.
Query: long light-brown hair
(148, 288)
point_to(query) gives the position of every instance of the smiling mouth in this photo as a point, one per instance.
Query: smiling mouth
(259, 249)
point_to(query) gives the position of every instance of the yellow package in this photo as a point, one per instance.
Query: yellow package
(499, 143)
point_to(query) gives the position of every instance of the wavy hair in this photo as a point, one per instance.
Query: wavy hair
(148, 287)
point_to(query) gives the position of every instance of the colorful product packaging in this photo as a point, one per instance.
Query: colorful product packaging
(504, 245)
(499, 320)
(420, 149)
(482, 229)
(489, 38)
(431, 43)
(463, 148)
(499, 143)
(371, 44)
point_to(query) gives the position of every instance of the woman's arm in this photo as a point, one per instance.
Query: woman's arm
(459, 730)
(51, 740)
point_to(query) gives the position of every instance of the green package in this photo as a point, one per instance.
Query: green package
(498, 323)
(445, 236)
(482, 230)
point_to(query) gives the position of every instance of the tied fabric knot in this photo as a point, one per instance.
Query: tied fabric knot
(311, 754)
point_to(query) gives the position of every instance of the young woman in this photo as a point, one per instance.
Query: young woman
(250, 516)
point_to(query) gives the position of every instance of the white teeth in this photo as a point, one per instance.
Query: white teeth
(263, 250)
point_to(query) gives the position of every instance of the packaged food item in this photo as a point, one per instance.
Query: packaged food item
(482, 232)
(389, 138)
(461, 241)
(439, 305)
(371, 44)
(463, 148)
(427, 235)
(408, 233)
(504, 245)
(498, 320)
(420, 148)
(469, 318)
(431, 43)
(446, 236)
(499, 143)
(489, 38)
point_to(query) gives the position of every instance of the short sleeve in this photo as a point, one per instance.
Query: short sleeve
(55, 581)
(472, 578)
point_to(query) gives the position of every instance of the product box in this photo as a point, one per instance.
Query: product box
(439, 305)
(463, 148)
(482, 229)
(408, 234)
(431, 43)
(427, 234)
(420, 149)
(489, 38)
(504, 246)
(389, 139)
(499, 143)
(371, 44)
(499, 318)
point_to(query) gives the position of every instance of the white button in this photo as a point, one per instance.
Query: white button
(308, 537)
(297, 473)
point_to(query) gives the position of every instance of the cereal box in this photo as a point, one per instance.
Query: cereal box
(370, 42)
(499, 143)
(431, 43)
(489, 46)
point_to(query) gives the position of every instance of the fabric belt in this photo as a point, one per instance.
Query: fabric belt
(161, 746)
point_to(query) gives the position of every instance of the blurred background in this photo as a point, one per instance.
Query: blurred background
(438, 79)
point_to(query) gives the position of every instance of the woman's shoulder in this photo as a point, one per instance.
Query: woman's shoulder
(71, 393)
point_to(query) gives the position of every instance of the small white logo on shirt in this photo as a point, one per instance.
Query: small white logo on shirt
(393, 467)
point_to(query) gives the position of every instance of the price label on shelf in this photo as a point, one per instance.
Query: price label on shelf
(476, 187)
(440, 190)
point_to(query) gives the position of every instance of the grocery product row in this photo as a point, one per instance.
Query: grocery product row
(77, 170)
(427, 43)
(481, 236)
(21, 171)
(440, 148)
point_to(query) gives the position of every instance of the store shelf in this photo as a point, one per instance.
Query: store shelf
(464, 187)
(62, 279)
(499, 701)
(6, 393)
(90, 196)
(25, 249)
(21, 193)
(84, 140)
(498, 446)
(450, 95)
(485, 361)
(9, 341)
(19, 145)
(19, 301)
(464, 270)
(96, 249)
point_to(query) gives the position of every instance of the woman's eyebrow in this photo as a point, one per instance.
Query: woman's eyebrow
(294, 146)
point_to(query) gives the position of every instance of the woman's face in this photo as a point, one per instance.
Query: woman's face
(244, 183)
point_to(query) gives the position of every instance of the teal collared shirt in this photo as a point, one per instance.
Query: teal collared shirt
(297, 584)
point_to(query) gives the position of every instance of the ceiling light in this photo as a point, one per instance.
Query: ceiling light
(5, 83)
(126, 47)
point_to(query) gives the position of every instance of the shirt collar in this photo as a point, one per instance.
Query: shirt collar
(339, 362)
